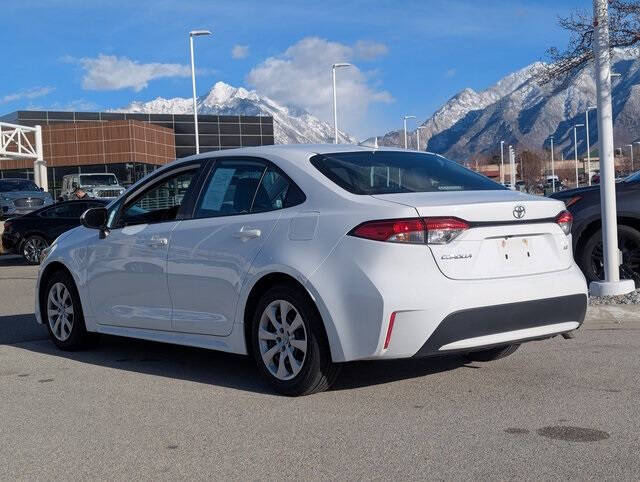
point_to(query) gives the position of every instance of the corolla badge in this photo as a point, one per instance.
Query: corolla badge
(456, 256)
(519, 211)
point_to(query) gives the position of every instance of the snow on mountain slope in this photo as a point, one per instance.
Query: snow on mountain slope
(291, 125)
(524, 114)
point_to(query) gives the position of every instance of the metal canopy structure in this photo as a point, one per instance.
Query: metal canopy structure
(16, 145)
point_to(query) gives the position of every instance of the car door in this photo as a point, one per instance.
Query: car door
(127, 269)
(211, 253)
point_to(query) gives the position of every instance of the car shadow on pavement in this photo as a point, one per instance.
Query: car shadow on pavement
(201, 365)
(12, 260)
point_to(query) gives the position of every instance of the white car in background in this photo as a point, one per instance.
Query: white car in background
(306, 256)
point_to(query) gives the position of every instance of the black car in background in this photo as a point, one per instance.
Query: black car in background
(28, 235)
(584, 204)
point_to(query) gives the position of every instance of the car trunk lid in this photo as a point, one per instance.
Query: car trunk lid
(510, 234)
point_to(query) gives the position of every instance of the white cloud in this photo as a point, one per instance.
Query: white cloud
(32, 93)
(368, 50)
(450, 73)
(108, 72)
(240, 51)
(301, 76)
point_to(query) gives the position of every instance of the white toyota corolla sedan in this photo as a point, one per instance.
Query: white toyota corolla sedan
(306, 256)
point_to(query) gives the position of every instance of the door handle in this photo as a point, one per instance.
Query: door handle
(247, 233)
(157, 242)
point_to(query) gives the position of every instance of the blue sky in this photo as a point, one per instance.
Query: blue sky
(409, 56)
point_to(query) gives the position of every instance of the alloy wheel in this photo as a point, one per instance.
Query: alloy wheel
(32, 248)
(630, 267)
(282, 338)
(60, 311)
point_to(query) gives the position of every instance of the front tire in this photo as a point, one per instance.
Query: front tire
(491, 354)
(62, 314)
(289, 344)
(31, 248)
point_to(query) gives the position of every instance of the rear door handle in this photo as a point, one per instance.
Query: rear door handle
(157, 242)
(247, 233)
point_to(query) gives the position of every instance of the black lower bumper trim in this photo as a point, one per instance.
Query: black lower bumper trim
(490, 320)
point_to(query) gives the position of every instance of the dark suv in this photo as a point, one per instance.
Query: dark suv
(584, 204)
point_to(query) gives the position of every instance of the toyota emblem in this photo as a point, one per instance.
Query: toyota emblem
(518, 212)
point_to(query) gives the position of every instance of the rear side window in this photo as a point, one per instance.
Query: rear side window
(388, 172)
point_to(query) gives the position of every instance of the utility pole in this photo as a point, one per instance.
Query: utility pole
(195, 33)
(512, 165)
(335, 99)
(612, 285)
(630, 146)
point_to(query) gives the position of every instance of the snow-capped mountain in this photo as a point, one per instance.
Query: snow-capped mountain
(291, 125)
(524, 114)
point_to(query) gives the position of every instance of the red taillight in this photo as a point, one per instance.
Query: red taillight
(444, 230)
(565, 220)
(393, 230)
(389, 330)
(438, 230)
(572, 201)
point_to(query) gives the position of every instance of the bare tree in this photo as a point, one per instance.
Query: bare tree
(624, 31)
(531, 167)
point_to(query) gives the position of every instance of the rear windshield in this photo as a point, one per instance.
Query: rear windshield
(388, 172)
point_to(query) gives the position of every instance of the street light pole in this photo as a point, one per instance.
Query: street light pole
(575, 147)
(501, 162)
(630, 146)
(512, 166)
(586, 122)
(405, 128)
(335, 99)
(195, 33)
(553, 168)
(612, 285)
(418, 136)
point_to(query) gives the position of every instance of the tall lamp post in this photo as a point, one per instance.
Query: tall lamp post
(630, 146)
(418, 137)
(195, 33)
(612, 285)
(512, 166)
(405, 127)
(575, 147)
(502, 162)
(553, 168)
(335, 100)
(586, 122)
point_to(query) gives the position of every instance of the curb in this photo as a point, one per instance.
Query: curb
(616, 313)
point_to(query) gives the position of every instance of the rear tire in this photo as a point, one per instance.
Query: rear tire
(590, 257)
(289, 343)
(491, 354)
(62, 314)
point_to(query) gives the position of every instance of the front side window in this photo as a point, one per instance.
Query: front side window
(159, 203)
(388, 172)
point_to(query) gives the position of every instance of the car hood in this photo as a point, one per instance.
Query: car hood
(22, 194)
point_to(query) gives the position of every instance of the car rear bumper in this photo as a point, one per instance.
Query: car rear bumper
(364, 285)
(10, 242)
(478, 328)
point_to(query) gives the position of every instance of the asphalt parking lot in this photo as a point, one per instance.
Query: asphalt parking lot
(138, 410)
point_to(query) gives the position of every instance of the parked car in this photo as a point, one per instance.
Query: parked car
(98, 186)
(584, 205)
(28, 235)
(309, 256)
(21, 196)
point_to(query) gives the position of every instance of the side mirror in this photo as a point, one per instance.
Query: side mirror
(95, 218)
